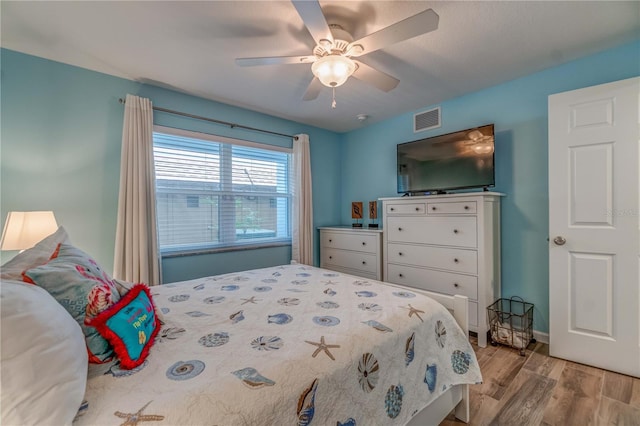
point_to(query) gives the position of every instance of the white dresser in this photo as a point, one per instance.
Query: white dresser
(447, 244)
(356, 251)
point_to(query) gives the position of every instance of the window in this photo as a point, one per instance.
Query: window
(214, 192)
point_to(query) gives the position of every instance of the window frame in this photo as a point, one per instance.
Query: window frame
(205, 248)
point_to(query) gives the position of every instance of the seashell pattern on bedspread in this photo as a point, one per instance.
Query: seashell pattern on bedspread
(234, 351)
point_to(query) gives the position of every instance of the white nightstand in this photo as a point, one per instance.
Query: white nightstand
(356, 251)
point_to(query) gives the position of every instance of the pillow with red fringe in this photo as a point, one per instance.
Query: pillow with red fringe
(130, 326)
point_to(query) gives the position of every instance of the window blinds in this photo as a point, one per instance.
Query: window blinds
(219, 194)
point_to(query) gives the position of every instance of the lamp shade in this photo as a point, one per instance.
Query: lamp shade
(23, 230)
(333, 70)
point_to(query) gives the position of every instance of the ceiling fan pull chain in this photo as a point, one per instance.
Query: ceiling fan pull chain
(333, 103)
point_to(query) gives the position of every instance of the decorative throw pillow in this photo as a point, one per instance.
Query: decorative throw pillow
(83, 288)
(130, 326)
(124, 287)
(35, 256)
(44, 358)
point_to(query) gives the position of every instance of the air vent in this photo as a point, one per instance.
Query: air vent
(426, 120)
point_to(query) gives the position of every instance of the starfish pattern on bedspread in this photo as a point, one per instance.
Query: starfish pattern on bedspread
(322, 346)
(414, 311)
(381, 349)
(132, 419)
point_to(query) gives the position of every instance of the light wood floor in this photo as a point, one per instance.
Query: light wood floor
(537, 389)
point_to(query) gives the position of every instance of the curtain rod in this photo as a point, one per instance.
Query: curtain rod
(213, 120)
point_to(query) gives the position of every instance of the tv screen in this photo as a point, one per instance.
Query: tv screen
(457, 160)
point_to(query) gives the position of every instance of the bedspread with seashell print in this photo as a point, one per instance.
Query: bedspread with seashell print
(287, 345)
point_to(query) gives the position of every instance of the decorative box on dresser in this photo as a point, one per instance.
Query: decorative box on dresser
(447, 244)
(355, 251)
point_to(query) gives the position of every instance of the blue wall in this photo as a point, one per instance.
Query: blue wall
(61, 131)
(519, 110)
(61, 135)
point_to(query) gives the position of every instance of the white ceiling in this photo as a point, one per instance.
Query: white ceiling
(191, 46)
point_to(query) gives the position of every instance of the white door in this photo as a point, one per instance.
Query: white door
(594, 222)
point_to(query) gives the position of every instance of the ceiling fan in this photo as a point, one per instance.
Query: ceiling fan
(332, 60)
(476, 141)
(480, 143)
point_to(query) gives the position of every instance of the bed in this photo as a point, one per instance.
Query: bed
(288, 345)
(291, 344)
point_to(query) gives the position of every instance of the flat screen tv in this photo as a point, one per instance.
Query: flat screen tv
(458, 160)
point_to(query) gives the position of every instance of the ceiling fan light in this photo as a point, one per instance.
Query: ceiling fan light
(483, 148)
(333, 70)
(474, 135)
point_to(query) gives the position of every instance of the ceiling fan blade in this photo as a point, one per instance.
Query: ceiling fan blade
(376, 78)
(413, 26)
(314, 20)
(275, 60)
(313, 90)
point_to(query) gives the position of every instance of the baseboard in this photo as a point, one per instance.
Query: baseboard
(538, 335)
(541, 337)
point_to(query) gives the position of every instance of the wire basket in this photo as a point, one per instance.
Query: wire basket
(511, 323)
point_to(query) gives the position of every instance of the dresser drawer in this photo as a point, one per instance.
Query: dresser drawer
(406, 209)
(350, 259)
(458, 260)
(437, 281)
(350, 241)
(356, 272)
(454, 207)
(458, 231)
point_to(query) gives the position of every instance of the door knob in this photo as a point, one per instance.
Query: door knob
(559, 240)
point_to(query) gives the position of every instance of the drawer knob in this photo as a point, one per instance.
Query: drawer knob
(400, 275)
(364, 263)
(456, 285)
(399, 229)
(417, 209)
(466, 207)
(364, 244)
(330, 241)
(433, 208)
(455, 231)
(392, 209)
(456, 261)
(330, 257)
(399, 253)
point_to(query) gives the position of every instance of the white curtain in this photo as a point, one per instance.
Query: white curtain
(136, 253)
(302, 226)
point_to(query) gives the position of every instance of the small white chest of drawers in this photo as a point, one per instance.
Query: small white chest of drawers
(356, 251)
(447, 244)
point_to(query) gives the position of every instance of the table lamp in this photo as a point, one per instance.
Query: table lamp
(23, 230)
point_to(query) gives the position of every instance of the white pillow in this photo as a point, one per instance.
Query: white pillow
(43, 358)
(35, 256)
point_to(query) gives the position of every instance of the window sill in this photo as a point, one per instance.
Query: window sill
(212, 250)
